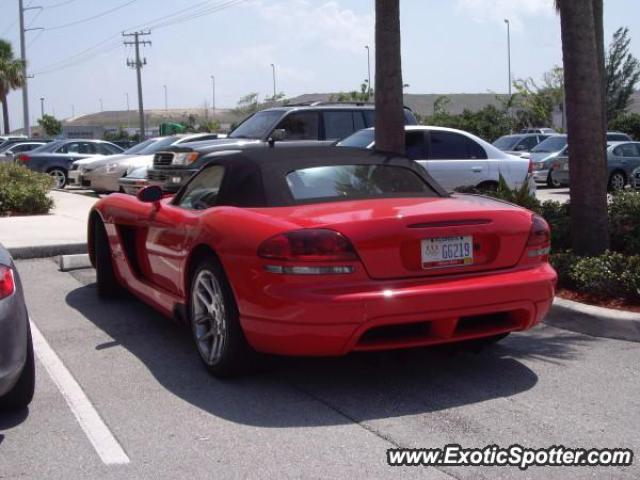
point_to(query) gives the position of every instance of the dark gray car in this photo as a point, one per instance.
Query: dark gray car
(17, 369)
(314, 124)
(55, 158)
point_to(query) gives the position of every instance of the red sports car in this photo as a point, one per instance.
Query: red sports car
(323, 251)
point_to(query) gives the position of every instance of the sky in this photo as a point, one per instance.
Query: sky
(448, 46)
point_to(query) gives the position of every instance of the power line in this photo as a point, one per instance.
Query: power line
(106, 45)
(61, 4)
(101, 14)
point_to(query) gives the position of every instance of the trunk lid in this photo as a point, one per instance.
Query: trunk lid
(387, 233)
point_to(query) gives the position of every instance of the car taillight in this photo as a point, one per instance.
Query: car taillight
(530, 165)
(308, 245)
(24, 158)
(539, 241)
(7, 282)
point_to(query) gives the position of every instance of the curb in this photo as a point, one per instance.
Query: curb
(594, 321)
(44, 251)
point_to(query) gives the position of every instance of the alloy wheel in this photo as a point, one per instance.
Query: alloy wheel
(209, 317)
(59, 178)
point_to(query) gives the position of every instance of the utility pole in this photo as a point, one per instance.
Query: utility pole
(23, 56)
(101, 105)
(41, 107)
(138, 64)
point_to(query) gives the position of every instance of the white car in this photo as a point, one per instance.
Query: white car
(455, 158)
(102, 174)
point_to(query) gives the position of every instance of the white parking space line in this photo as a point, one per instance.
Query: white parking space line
(103, 441)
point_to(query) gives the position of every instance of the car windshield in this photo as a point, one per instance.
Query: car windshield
(361, 139)
(257, 126)
(508, 142)
(136, 149)
(551, 144)
(346, 182)
(159, 145)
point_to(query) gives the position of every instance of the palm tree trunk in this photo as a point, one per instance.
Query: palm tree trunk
(583, 80)
(5, 114)
(389, 131)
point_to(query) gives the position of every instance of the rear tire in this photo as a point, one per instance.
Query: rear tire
(488, 187)
(108, 285)
(617, 181)
(214, 320)
(551, 182)
(21, 394)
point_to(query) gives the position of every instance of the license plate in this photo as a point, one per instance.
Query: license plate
(447, 252)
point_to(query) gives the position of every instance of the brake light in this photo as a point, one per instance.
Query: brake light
(539, 241)
(308, 245)
(7, 282)
(530, 165)
(24, 158)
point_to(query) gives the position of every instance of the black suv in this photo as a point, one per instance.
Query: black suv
(314, 124)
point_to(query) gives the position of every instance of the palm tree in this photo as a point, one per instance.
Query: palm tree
(11, 77)
(389, 131)
(583, 59)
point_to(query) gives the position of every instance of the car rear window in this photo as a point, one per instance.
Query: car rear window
(347, 182)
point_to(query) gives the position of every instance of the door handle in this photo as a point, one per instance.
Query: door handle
(476, 169)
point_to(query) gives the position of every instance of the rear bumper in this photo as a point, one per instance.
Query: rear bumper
(14, 331)
(541, 176)
(399, 314)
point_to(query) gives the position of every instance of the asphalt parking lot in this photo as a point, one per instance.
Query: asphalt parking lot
(329, 418)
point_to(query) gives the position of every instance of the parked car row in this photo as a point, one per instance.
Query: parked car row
(454, 158)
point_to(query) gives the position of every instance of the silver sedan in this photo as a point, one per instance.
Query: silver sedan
(17, 367)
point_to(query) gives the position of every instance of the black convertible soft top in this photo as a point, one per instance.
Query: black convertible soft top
(256, 177)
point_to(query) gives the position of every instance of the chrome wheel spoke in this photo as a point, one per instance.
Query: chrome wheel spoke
(209, 317)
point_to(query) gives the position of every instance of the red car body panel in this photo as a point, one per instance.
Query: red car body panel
(388, 301)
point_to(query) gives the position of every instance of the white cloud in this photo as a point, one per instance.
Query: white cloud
(497, 10)
(300, 22)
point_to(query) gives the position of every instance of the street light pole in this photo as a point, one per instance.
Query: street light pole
(368, 72)
(101, 105)
(508, 51)
(41, 107)
(165, 98)
(213, 98)
(273, 67)
(126, 94)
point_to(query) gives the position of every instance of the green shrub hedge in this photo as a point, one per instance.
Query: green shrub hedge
(23, 191)
(611, 275)
(615, 274)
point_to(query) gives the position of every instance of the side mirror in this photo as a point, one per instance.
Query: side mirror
(150, 194)
(279, 134)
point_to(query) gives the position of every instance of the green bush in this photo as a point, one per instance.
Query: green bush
(22, 191)
(624, 222)
(557, 216)
(519, 196)
(611, 275)
(563, 262)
